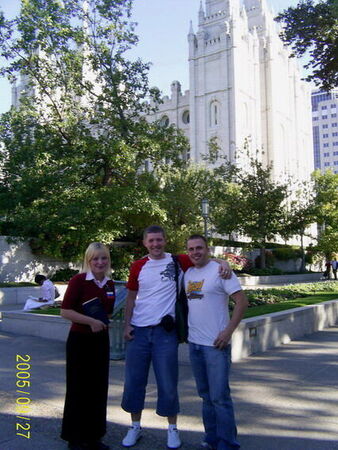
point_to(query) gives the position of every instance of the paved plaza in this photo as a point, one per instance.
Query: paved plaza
(286, 399)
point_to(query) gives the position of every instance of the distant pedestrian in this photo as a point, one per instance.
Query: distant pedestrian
(87, 350)
(327, 273)
(47, 296)
(334, 265)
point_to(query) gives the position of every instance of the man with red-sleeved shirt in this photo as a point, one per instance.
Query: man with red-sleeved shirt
(151, 336)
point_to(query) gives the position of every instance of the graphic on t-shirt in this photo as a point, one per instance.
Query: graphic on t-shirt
(169, 272)
(194, 289)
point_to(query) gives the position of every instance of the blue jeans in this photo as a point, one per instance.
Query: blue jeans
(151, 344)
(211, 371)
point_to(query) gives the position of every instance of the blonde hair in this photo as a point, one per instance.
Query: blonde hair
(90, 253)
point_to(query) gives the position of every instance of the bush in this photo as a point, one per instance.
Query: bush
(122, 257)
(64, 274)
(267, 271)
(16, 284)
(284, 254)
(269, 259)
(258, 297)
(237, 262)
(309, 257)
(229, 243)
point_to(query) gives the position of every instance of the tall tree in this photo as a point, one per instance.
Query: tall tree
(180, 196)
(75, 148)
(249, 201)
(300, 215)
(326, 204)
(312, 27)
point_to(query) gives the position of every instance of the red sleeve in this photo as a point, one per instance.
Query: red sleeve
(185, 262)
(72, 297)
(135, 269)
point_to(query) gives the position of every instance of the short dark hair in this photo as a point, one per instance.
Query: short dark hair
(39, 278)
(197, 236)
(153, 229)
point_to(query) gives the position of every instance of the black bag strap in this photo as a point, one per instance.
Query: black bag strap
(177, 271)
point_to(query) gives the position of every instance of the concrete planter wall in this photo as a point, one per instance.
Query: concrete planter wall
(32, 324)
(18, 296)
(253, 335)
(278, 279)
(261, 333)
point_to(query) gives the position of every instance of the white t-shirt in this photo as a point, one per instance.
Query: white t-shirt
(208, 300)
(48, 291)
(154, 280)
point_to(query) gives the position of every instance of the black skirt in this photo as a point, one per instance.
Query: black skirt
(87, 371)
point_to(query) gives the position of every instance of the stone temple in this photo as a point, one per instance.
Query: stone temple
(243, 88)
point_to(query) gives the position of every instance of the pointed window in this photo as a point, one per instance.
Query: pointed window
(186, 117)
(164, 122)
(214, 113)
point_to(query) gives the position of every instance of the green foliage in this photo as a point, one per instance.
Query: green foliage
(16, 284)
(309, 257)
(256, 201)
(328, 242)
(237, 262)
(74, 150)
(122, 257)
(49, 311)
(255, 311)
(326, 189)
(311, 28)
(281, 294)
(266, 271)
(64, 274)
(180, 196)
(229, 243)
(284, 254)
(269, 259)
(271, 296)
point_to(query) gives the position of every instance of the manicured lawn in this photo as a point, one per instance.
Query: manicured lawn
(49, 311)
(295, 303)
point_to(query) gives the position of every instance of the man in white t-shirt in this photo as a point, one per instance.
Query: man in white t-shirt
(151, 335)
(210, 330)
(47, 296)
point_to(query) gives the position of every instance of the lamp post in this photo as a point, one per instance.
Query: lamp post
(205, 215)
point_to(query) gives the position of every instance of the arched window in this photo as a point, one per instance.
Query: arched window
(164, 122)
(245, 115)
(186, 117)
(214, 113)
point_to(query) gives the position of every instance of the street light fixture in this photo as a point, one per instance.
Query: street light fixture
(205, 215)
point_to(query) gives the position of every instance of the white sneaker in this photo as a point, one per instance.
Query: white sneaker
(174, 440)
(131, 438)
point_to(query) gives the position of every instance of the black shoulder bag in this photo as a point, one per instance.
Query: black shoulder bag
(181, 308)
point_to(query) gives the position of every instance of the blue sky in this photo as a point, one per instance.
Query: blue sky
(163, 26)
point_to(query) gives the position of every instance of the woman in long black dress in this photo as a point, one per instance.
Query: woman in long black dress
(84, 419)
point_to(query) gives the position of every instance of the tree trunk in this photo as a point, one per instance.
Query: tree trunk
(302, 267)
(262, 258)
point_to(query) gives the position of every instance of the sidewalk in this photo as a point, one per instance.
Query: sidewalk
(285, 399)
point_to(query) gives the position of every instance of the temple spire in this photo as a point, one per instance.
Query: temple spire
(191, 29)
